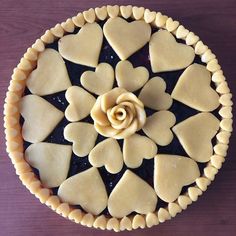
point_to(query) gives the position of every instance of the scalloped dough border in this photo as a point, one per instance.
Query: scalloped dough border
(14, 142)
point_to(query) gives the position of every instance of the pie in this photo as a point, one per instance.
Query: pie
(118, 118)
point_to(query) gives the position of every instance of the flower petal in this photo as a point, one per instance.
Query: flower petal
(97, 114)
(128, 131)
(128, 97)
(106, 131)
(108, 99)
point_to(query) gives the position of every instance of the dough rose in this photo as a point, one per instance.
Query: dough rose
(118, 114)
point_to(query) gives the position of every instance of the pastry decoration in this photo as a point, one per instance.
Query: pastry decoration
(131, 78)
(119, 116)
(199, 146)
(100, 81)
(196, 81)
(84, 47)
(131, 194)
(85, 189)
(128, 39)
(158, 127)
(74, 111)
(107, 153)
(50, 76)
(153, 94)
(82, 135)
(57, 156)
(136, 148)
(171, 173)
(168, 55)
(40, 118)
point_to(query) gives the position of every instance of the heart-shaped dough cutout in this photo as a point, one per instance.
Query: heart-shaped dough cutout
(84, 47)
(107, 153)
(171, 173)
(125, 38)
(131, 194)
(51, 160)
(80, 103)
(195, 135)
(168, 55)
(158, 126)
(85, 189)
(40, 118)
(153, 94)
(82, 135)
(131, 78)
(100, 81)
(50, 76)
(194, 90)
(136, 148)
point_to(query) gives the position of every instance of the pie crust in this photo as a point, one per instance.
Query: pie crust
(143, 19)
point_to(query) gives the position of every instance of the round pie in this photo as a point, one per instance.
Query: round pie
(118, 118)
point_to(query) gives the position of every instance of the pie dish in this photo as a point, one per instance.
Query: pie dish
(118, 118)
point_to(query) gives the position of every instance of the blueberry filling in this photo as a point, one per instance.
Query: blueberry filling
(145, 171)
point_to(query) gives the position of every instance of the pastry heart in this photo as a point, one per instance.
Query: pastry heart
(171, 173)
(107, 153)
(158, 126)
(127, 39)
(51, 160)
(136, 148)
(82, 135)
(80, 103)
(153, 94)
(85, 189)
(100, 81)
(168, 55)
(84, 47)
(194, 90)
(50, 76)
(195, 135)
(131, 194)
(40, 118)
(129, 77)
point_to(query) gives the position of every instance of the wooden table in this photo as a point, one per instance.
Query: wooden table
(21, 22)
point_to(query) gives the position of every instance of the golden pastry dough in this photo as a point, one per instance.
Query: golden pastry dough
(82, 135)
(51, 160)
(84, 47)
(80, 103)
(40, 118)
(85, 189)
(153, 94)
(138, 12)
(171, 173)
(136, 148)
(131, 78)
(158, 126)
(118, 114)
(101, 12)
(125, 38)
(50, 76)
(168, 55)
(195, 135)
(100, 81)
(140, 196)
(113, 11)
(107, 153)
(193, 89)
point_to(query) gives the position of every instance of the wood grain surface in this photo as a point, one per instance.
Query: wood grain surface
(21, 22)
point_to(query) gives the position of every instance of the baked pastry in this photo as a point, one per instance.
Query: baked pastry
(118, 118)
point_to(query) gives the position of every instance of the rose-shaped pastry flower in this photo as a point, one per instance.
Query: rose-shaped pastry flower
(118, 114)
